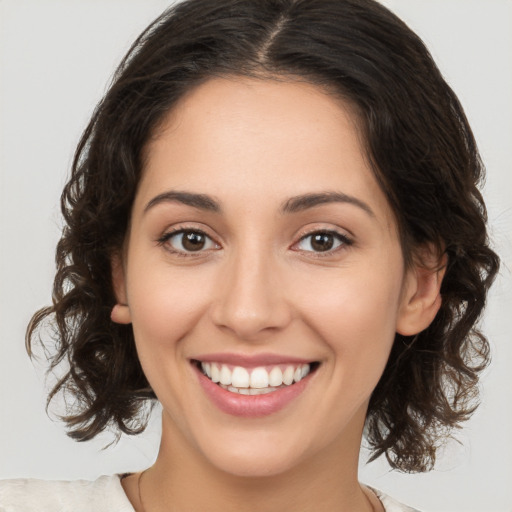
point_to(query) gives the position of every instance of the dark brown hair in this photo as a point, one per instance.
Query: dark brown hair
(423, 154)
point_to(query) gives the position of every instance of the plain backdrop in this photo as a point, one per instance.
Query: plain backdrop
(56, 57)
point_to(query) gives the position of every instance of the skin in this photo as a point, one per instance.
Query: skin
(258, 287)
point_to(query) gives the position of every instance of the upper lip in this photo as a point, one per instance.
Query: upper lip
(251, 360)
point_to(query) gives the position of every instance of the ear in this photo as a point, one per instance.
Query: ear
(421, 294)
(120, 312)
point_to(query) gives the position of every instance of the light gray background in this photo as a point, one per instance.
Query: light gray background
(56, 57)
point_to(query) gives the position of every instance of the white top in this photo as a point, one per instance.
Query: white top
(105, 494)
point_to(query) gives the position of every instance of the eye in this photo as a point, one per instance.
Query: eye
(322, 241)
(187, 241)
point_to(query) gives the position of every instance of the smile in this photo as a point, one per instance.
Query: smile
(255, 381)
(254, 387)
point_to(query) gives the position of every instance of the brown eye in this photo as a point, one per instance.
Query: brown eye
(187, 241)
(192, 241)
(322, 241)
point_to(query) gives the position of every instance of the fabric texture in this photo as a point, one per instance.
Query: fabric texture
(390, 504)
(102, 495)
(30, 495)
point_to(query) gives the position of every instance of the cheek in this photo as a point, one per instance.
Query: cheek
(165, 305)
(355, 315)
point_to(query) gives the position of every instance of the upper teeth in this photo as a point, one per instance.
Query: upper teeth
(256, 378)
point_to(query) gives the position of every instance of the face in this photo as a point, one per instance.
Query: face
(262, 253)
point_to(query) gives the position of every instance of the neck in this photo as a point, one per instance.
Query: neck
(182, 479)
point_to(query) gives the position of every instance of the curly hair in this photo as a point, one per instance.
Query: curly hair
(422, 152)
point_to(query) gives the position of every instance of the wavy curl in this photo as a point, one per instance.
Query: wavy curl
(423, 154)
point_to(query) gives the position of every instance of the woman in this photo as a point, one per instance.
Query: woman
(273, 227)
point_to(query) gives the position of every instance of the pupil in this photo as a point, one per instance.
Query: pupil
(322, 242)
(193, 241)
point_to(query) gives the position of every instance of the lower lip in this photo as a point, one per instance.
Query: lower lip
(251, 406)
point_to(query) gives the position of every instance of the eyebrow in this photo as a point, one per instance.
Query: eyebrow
(200, 201)
(306, 201)
(292, 205)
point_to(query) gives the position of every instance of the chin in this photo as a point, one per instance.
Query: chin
(254, 466)
(257, 459)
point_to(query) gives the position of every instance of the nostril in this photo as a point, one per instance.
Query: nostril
(251, 309)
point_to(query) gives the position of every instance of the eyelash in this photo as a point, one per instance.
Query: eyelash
(344, 242)
(166, 237)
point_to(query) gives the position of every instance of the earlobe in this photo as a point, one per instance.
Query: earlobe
(120, 313)
(421, 298)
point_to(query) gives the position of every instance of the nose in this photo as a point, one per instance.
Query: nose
(251, 301)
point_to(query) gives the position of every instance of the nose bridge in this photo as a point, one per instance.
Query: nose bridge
(251, 298)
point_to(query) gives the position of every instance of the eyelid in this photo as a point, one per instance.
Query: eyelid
(171, 232)
(346, 241)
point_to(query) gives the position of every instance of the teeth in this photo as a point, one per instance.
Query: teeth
(261, 391)
(259, 378)
(287, 375)
(225, 375)
(249, 391)
(240, 377)
(256, 381)
(275, 377)
(215, 373)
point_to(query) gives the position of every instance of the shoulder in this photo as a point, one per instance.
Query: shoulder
(390, 504)
(30, 495)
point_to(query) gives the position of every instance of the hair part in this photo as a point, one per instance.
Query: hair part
(417, 140)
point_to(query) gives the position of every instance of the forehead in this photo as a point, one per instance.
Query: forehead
(252, 138)
(224, 111)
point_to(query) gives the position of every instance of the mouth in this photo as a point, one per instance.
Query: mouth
(259, 380)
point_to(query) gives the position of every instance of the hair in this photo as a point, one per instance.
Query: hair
(422, 152)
